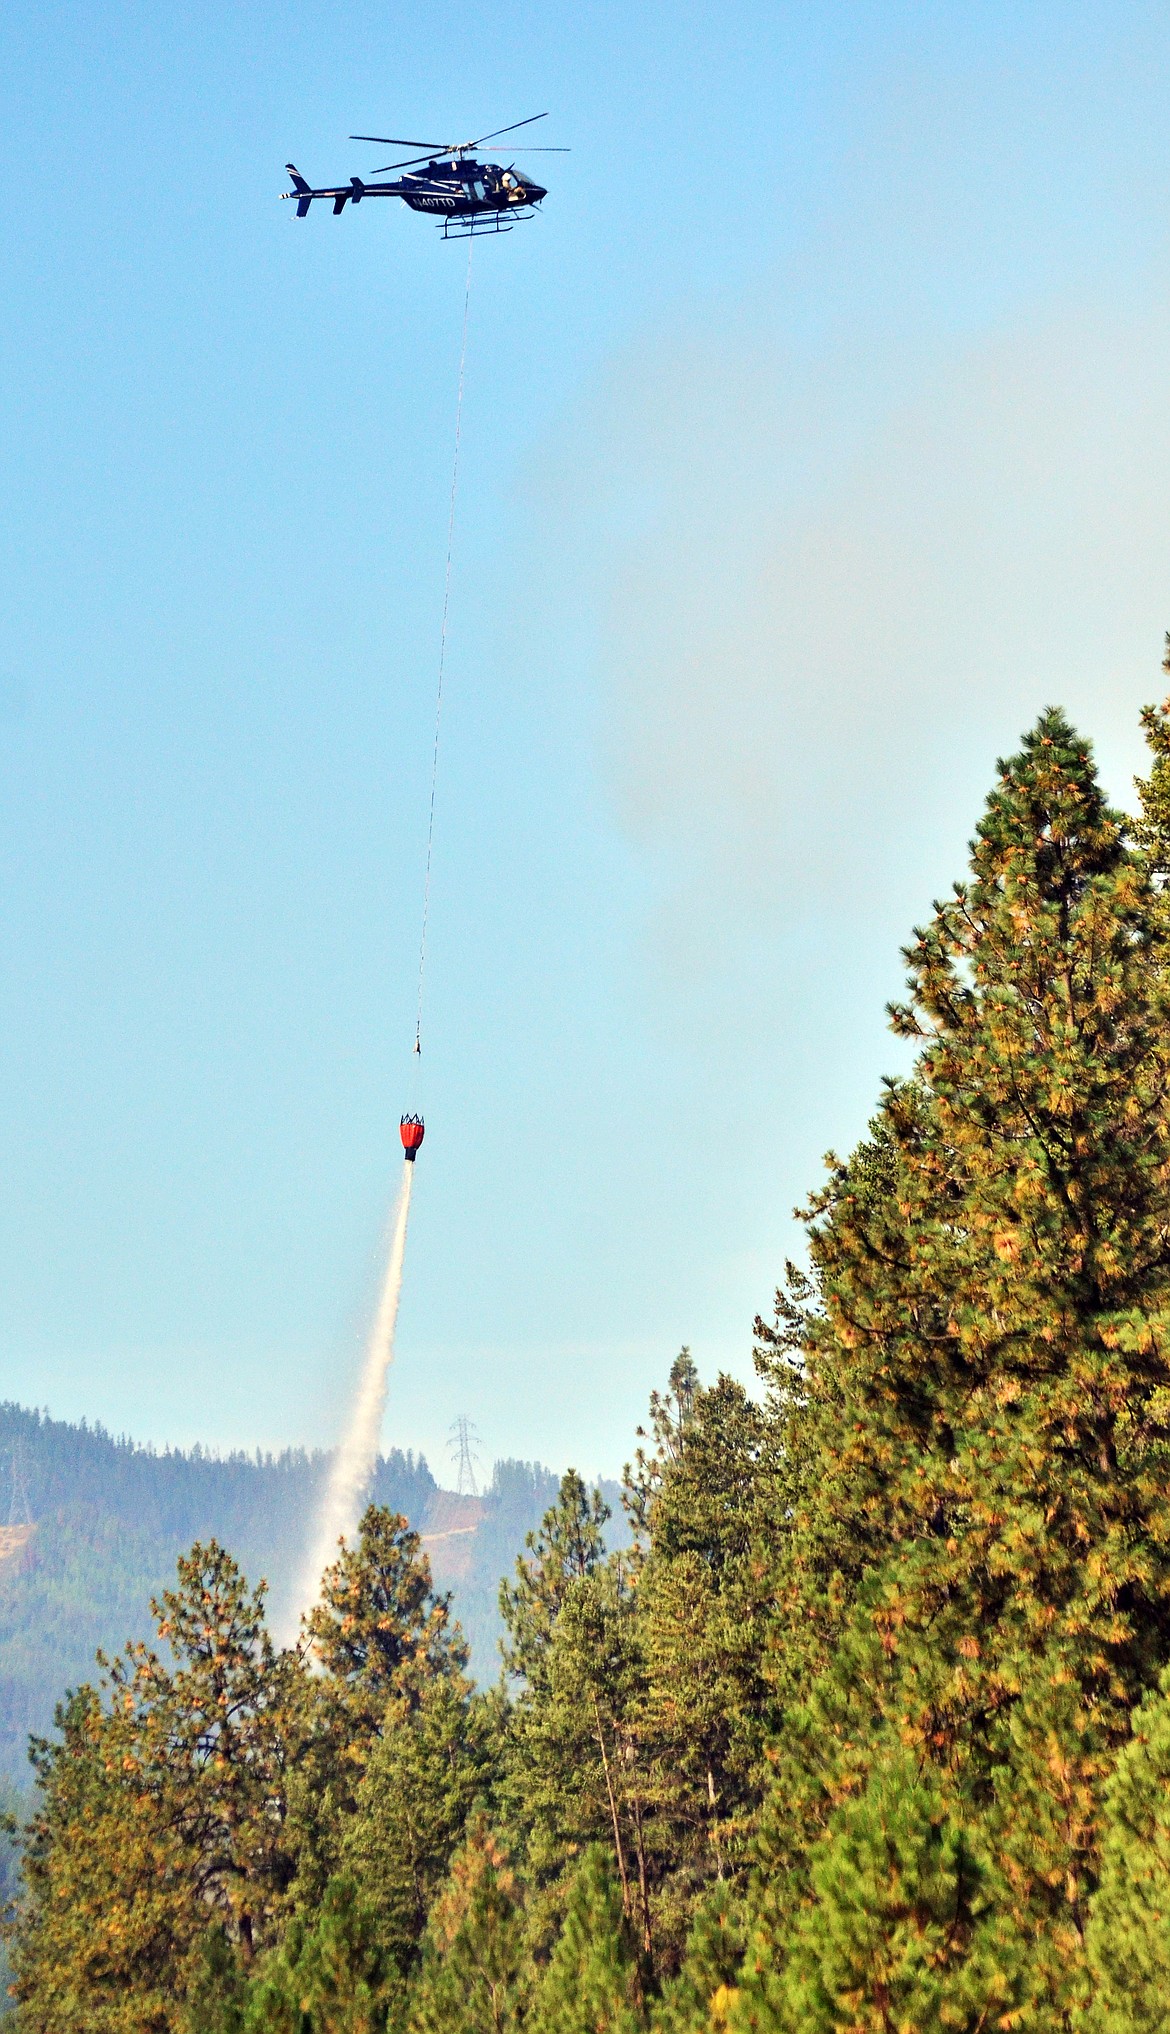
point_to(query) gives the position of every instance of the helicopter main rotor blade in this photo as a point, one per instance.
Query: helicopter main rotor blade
(402, 141)
(451, 148)
(407, 163)
(497, 131)
(411, 160)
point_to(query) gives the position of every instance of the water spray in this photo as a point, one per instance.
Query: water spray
(353, 1464)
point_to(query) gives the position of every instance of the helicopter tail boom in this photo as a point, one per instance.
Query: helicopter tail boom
(340, 194)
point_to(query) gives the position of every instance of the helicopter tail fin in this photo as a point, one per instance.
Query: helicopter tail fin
(302, 191)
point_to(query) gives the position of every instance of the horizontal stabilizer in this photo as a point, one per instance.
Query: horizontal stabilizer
(358, 188)
(339, 202)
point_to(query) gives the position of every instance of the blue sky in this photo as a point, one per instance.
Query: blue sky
(815, 437)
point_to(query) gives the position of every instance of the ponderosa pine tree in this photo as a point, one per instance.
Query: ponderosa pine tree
(571, 1776)
(162, 1815)
(476, 1971)
(670, 1417)
(386, 1643)
(913, 1603)
(436, 1763)
(986, 1382)
(706, 1503)
(330, 1976)
(1128, 1939)
(895, 1891)
(1152, 830)
(643, 1718)
(570, 1653)
(379, 1630)
(703, 1994)
(108, 1922)
(592, 1984)
(569, 1546)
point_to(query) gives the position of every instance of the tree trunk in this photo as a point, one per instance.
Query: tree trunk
(613, 1809)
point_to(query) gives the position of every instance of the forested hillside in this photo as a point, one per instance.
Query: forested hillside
(868, 1731)
(110, 1519)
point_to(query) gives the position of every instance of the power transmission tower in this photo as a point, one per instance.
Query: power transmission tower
(19, 1509)
(463, 1435)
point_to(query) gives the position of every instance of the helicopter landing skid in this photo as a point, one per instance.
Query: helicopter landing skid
(484, 222)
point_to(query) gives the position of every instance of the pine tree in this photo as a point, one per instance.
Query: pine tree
(592, 1983)
(704, 1715)
(216, 1991)
(108, 1921)
(643, 1717)
(330, 1977)
(897, 1933)
(1128, 1940)
(1152, 831)
(671, 1412)
(379, 1630)
(571, 1776)
(898, 1634)
(704, 1993)
(386, 1642)
(572, 1657)
(569, 1546)
(162, 1813)
(475, 1973)
(986, 1376)
(433, 1766)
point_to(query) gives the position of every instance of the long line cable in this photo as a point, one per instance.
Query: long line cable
(422, 945)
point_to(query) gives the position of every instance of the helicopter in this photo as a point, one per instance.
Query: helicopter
(467, 196)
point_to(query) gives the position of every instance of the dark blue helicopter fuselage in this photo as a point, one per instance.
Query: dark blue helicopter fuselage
(449, 188)
(464, 187)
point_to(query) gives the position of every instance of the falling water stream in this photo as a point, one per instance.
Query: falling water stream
(353, 1464)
